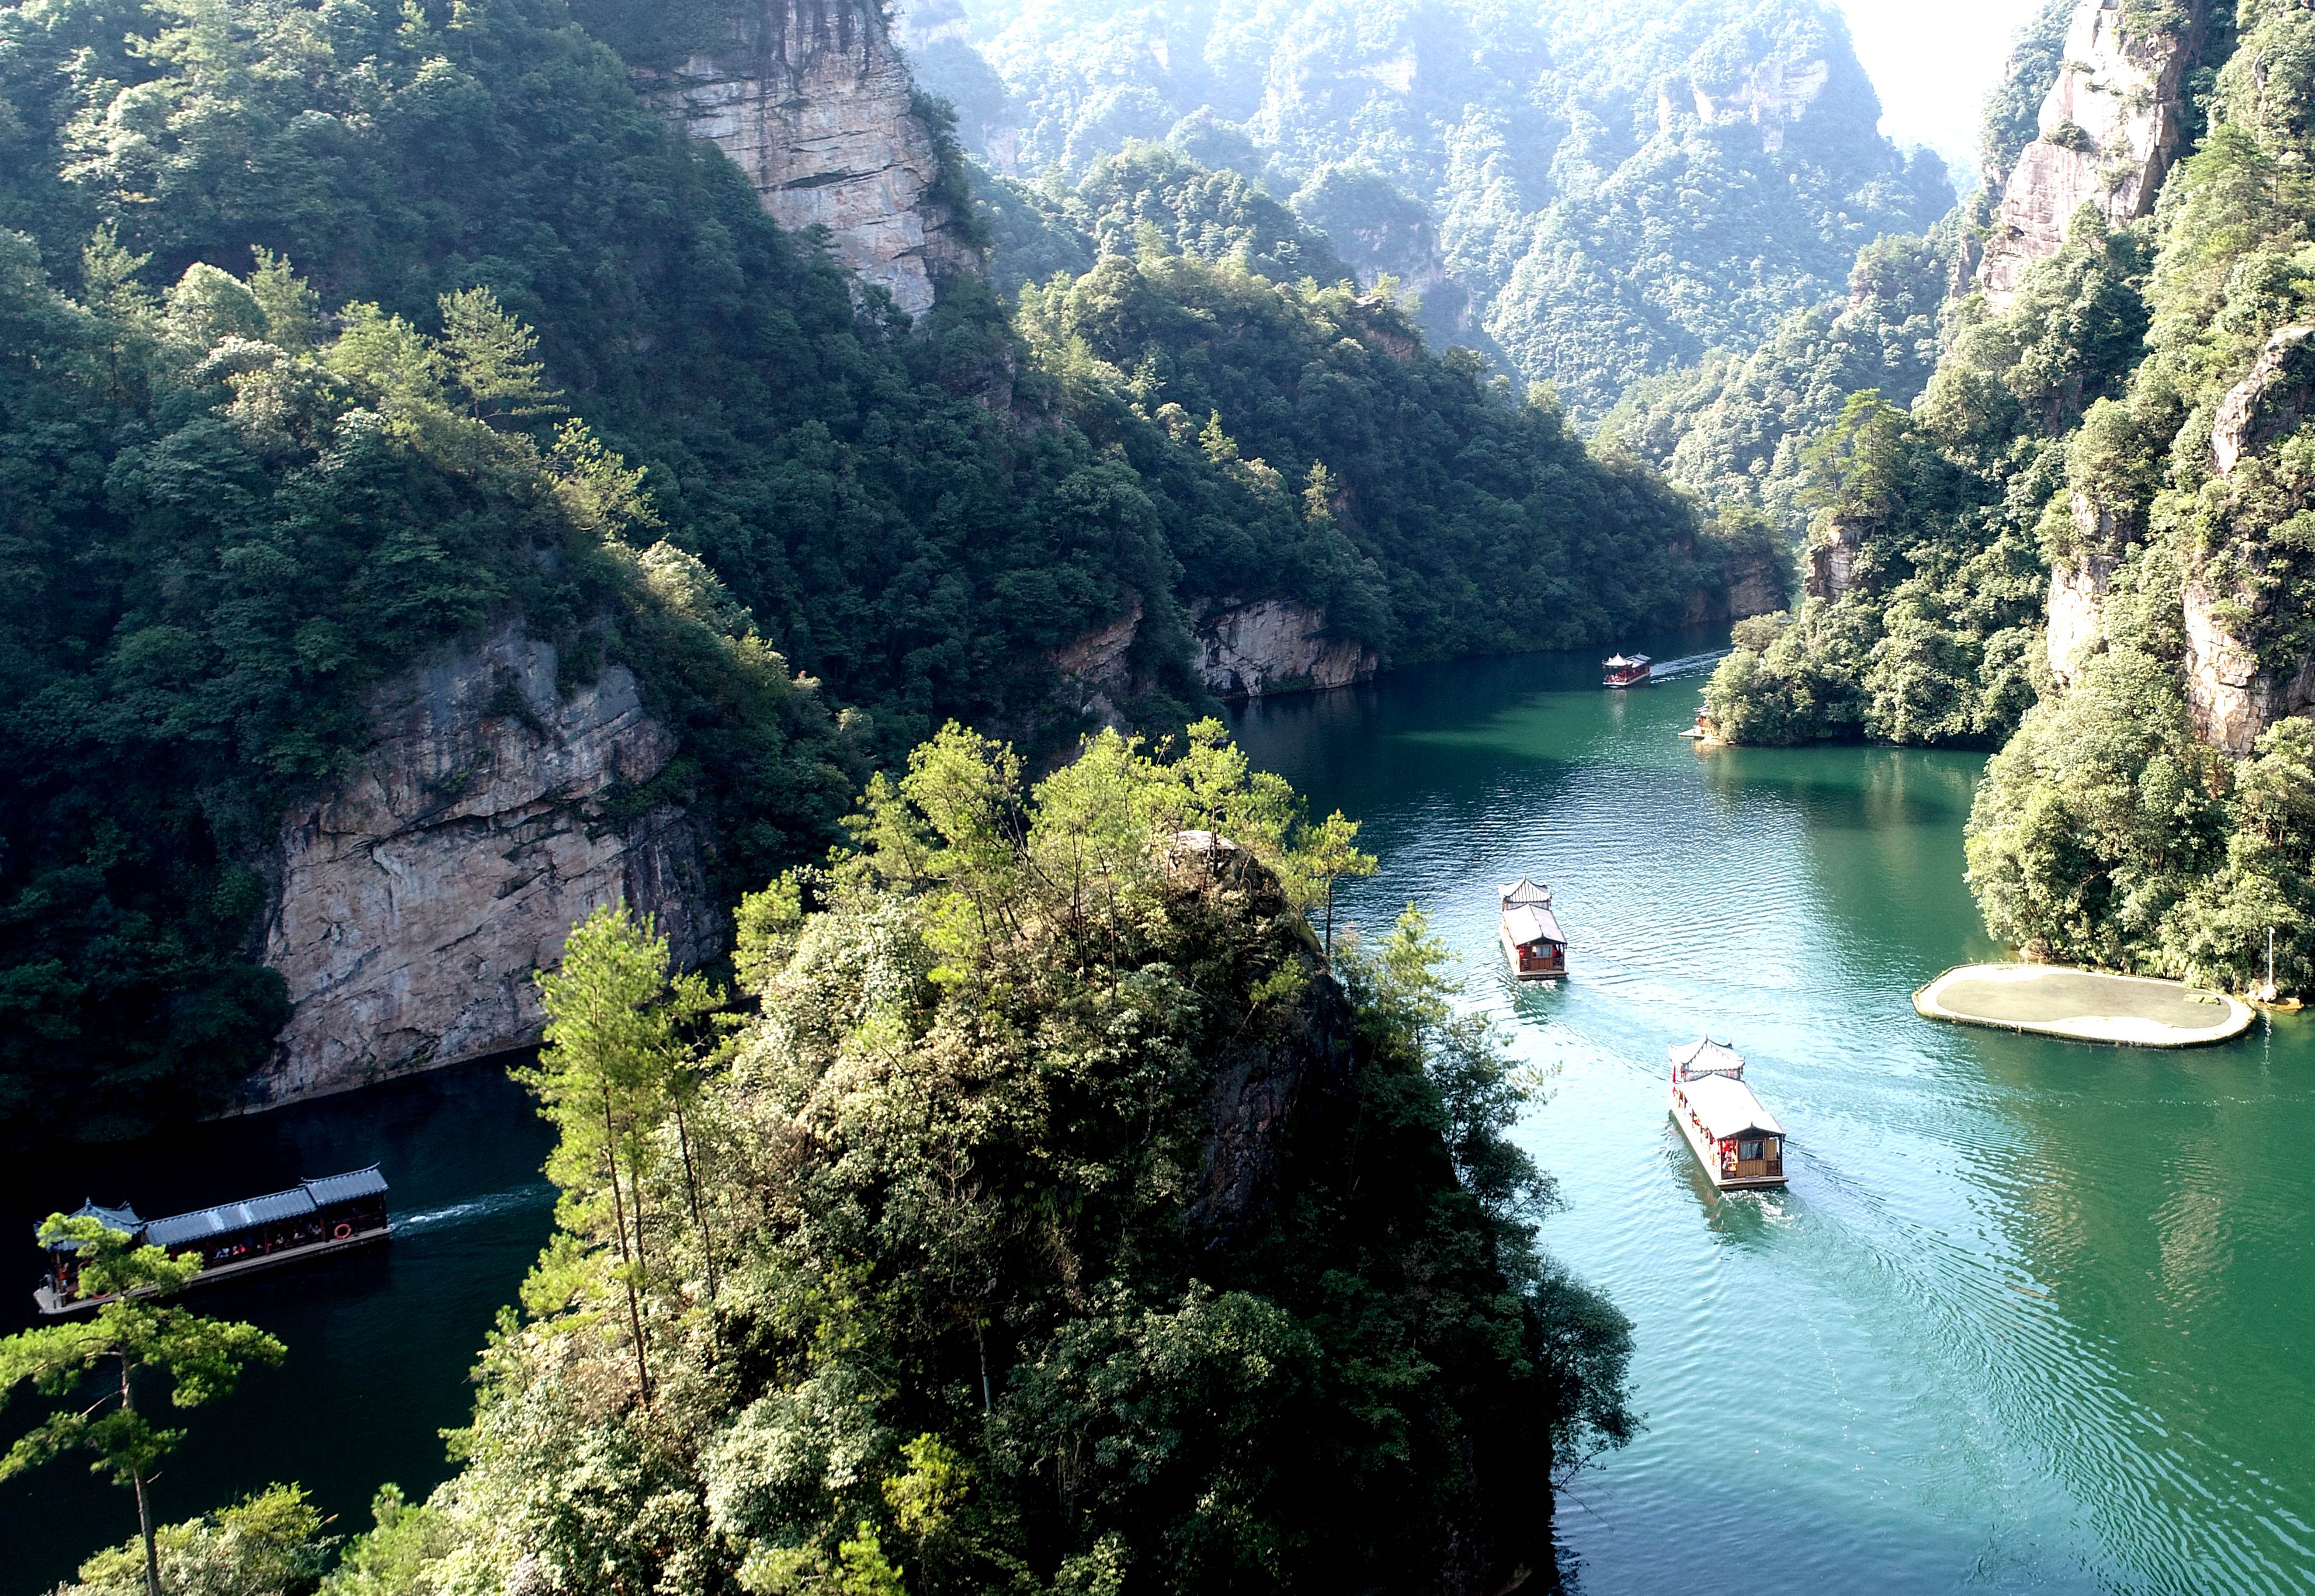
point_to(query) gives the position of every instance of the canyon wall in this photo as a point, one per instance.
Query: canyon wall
(417, 897)
(813, 101)
(2110, 129)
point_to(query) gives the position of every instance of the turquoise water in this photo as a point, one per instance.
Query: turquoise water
(2031, 1315)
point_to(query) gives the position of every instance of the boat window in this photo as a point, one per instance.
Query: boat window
(1750, 1150)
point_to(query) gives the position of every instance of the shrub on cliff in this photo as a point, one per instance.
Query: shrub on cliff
(1062, 1223)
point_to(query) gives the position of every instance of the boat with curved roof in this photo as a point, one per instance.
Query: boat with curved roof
(1739, 1142)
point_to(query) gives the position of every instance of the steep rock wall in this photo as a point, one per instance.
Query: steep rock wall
(1277, 646)
(1096, 669)
(2110, 129)
(814, 101)
(2077, 609)
(1831, 553)
(417, 897)
(2232, 694)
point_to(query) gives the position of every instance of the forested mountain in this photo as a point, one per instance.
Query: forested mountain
(338, 337)
(2085, 542)
(1590, 193)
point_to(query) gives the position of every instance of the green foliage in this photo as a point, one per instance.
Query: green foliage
(1579, 188)
(2107, 833)
(1145, 192)
(1078, 1228)
(2013, 111)
(1732, 428)
(282, 525)
(1458, 519)
(1931, 528)
(270, 1543)
(134, 1336)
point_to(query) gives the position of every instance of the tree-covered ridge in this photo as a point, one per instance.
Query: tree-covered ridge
(1421, 503)
(1146, 191)
(1594, 192)
(2099, 450)
(1057, 1214)
(231, 517)
(1735, 428)
(1062, 1222)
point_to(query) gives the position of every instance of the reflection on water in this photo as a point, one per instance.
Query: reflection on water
(2031, 1313)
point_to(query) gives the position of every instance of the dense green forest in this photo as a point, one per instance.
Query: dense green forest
(2130, 425)
(1061, 1219)
(1592, 193)
(331, 335)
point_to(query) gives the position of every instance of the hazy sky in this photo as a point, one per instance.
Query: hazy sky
(1934, 63)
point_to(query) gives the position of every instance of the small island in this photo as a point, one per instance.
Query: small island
(2084, 1006)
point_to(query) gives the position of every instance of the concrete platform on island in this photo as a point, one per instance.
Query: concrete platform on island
(2084, 1006)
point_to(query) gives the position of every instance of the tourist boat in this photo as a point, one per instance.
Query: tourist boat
(312, 1218)
(1627, 670)
(1739, 1142)
(1532, 940)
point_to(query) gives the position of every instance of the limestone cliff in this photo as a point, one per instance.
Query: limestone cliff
(2232, 692)
(417, 897)
(1830, 555)
(814, 101)
(1096, 670)
(2110, 129)
(1277, 646)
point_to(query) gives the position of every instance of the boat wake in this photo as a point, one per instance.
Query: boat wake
(481, 1208)
(1688, 665)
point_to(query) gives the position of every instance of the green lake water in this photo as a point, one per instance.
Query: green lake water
(2031, 1315)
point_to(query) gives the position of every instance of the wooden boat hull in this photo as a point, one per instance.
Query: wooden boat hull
(53, 1307)
(1709, 1155)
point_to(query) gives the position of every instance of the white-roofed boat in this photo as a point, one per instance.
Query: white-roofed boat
(1738, 1141)
(1531, 937)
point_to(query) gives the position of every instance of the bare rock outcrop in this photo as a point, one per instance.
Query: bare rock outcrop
(2077, 610)
(2269, 402)
(814, 101)
(1831, 553)
(418, 896)
(1096, 669)
(1277, 646)
(2111, 127)
(2231, 695)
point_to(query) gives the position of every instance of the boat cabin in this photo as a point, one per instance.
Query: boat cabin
(1533, 941)
(1739, 1142)
(324, 1215)
(1627, 670)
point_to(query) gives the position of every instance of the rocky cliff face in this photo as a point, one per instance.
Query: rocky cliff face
(2110, 130)
(2076, 609)
(2231, 693)
(1276, 646)
(814, 101)
(1831, 555)
(1096, 670)
(417, 897)
(1772, 96)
